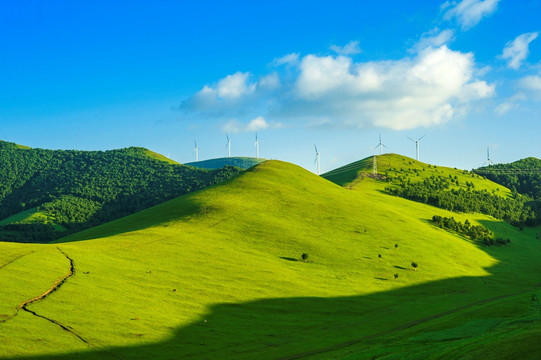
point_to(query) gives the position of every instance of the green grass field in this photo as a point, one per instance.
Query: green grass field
(217, 274)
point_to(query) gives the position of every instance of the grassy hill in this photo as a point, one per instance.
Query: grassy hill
(217, 273)
(44, 193)
(241, 162)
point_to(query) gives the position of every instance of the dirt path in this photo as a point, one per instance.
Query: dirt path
(405, 326)
(57, 284)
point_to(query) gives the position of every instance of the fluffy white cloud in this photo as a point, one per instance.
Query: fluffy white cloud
(257, 124)
(290, 59)
(402, 94)
(426, 89)
(469, 12)
(517, 50)
(349, 49)
(434, 38)
(531, 83)
(235, 86)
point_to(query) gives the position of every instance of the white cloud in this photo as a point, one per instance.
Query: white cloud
(531, 83)
(235, 86)
(509, 104)
(503, 108)
(517, 50)
(403, 94)
(270, 82)
(349, 49)
(469, 12)
(259, 123)
(426, 89)
(434, 38)
(289, 59)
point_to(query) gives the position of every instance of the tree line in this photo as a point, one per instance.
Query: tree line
(80, 189)
(518, 210)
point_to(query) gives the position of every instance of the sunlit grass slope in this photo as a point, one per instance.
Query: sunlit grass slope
(218, 273)
(394, 165)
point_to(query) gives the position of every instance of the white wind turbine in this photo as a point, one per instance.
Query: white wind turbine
(489, 162)
(380, 145)
(416, 144)
(256, 147)
(316, 161)
(196, 151)
(228, 146)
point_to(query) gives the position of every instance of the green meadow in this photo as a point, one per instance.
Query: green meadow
(218, 274)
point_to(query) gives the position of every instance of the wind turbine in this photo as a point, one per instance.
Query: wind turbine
(256, 147)
(489, 162)
(196, 150)
(417, 144)
(228, 146)
(380, 145)
(316, 161)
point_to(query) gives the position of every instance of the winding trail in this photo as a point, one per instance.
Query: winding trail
(405, 326)
(57, 284)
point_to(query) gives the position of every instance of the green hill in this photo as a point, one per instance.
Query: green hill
(44, 193)
(218, 273)
(523, 176)
(241, 162)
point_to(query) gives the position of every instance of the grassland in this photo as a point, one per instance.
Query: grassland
(218, 274)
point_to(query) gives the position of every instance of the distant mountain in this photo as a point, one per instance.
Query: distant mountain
(44, 193)
(522, 176)
(241, 162)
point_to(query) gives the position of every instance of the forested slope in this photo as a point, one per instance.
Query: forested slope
(72, 190)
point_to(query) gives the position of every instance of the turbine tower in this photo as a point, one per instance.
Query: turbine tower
(228, 146)
(489, 162)
(196, 151)
(316, 161)
(417, 145)
(256, 147)
(380, 145)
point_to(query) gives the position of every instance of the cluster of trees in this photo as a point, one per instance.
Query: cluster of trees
(476, 233)
(80, 189)
(523, 176)
(518, 210)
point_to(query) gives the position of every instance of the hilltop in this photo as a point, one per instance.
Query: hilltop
(218, 273)
(241, 162)
(522, 176)
(46, 193)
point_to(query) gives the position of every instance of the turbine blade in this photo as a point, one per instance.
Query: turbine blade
(315, 147)
(410, 138)
(384, 145)
(421, 138)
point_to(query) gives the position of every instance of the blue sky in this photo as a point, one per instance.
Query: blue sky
(102, 75)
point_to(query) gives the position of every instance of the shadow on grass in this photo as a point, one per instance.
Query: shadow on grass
(288, 258)
(400, 267)
(282, 327)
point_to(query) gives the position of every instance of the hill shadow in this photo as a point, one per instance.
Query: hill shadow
(283, 327)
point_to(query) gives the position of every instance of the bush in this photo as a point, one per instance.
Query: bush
(304, 256)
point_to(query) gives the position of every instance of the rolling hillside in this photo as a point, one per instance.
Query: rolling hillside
(241, 162)
(46, 193)
(218, 273)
